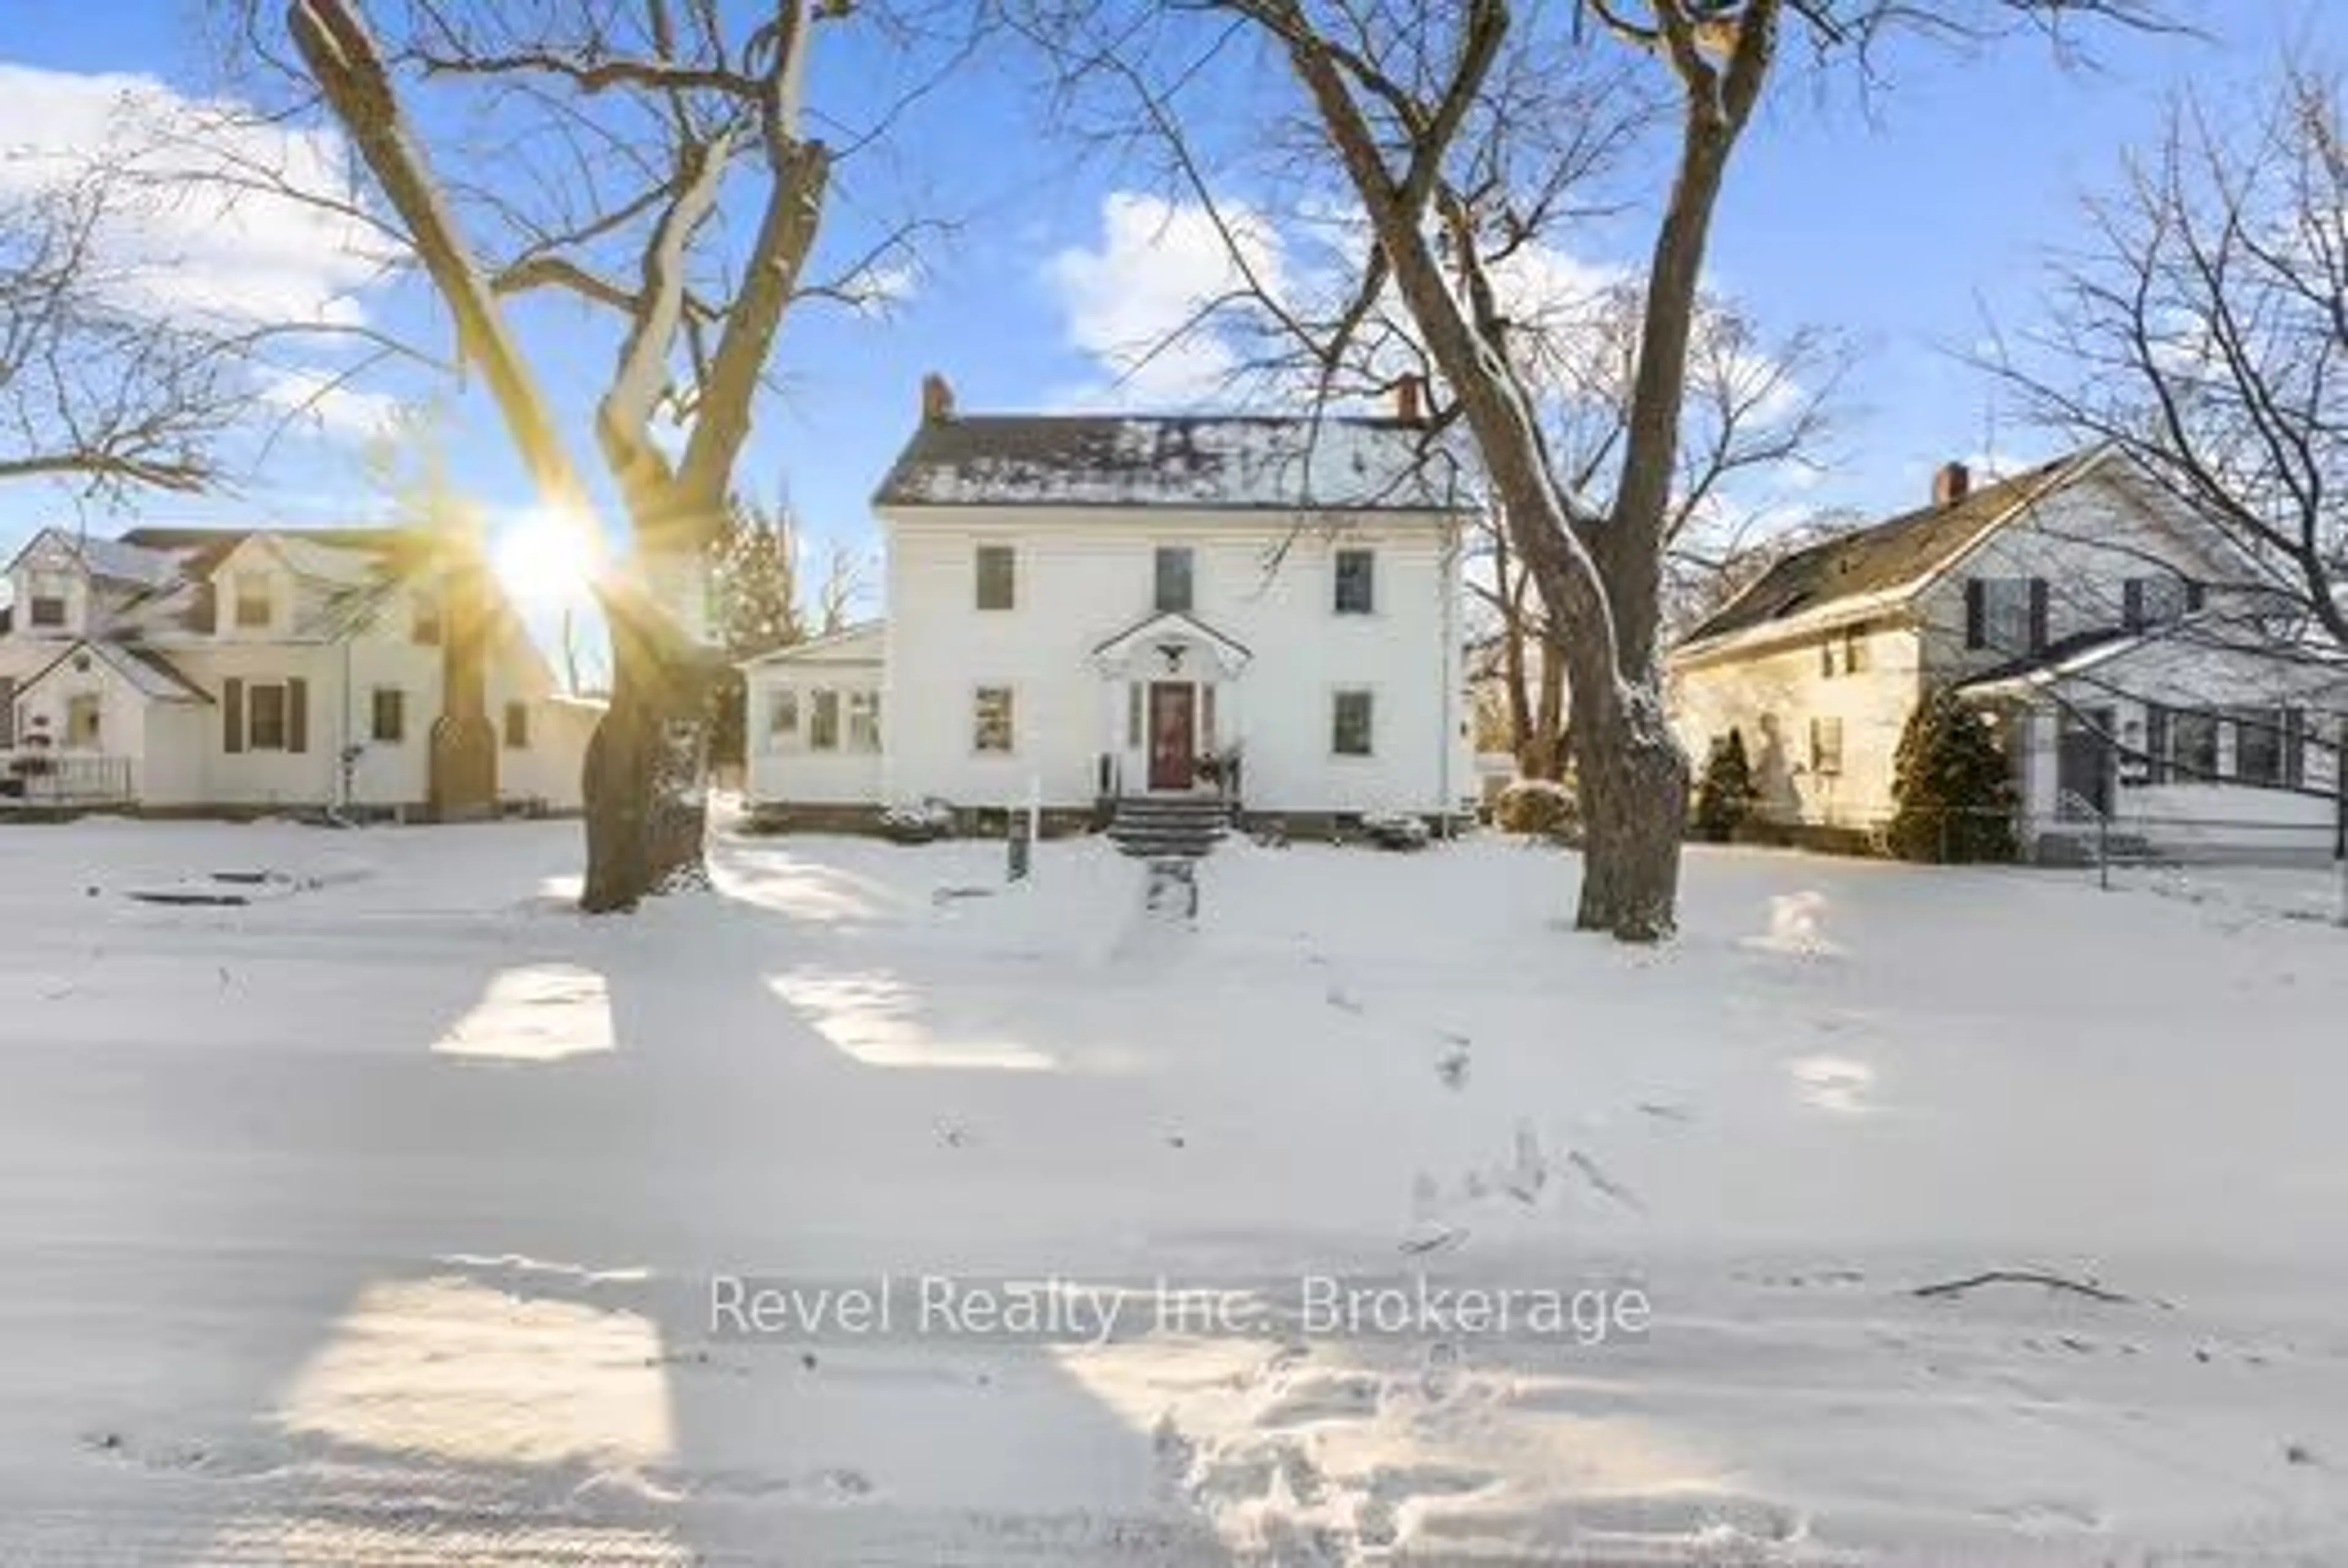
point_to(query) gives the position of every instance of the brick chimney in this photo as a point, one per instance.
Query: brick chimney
(1953, 482)
(937, 399)
(1410, 400)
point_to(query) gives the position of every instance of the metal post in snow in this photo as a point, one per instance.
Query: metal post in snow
(2340, 823)
(1020, 823)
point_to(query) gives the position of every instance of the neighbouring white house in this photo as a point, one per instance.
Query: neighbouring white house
(1094, 606)
(256, 668)
(2142, 680)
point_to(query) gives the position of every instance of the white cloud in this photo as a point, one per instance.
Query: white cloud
(178, 238)
(333, 408)
(1133, 300)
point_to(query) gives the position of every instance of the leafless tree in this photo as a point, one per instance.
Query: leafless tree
(2204, 331)
(1429, 116)
(658, 162)
(1756, 408)
(93, 390)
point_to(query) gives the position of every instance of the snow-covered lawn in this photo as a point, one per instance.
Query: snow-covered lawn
(380, 1221)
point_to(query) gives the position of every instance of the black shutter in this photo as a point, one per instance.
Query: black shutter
(7, 710)
(2132, 604)
(1976, 612)
(2294, 748)
(297, 715)
(232, 714)
(2038, 615)
(2194, 594)
(2155, 744)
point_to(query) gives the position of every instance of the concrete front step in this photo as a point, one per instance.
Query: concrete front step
(1169, 826)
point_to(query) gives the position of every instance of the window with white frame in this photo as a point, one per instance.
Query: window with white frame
(2150, 601)
(517, 726)
(1172, 577)
(2183, 743)
(991, 719)
(998, 575)
(1356, 572)
(44, 598)
(253, 598)
(265, 709)
(1352, 722)
(388, 716)
(782, 716)
(2270, 747)
(823, 720)
(1998, 613)
(864, 721)
(1826, 746)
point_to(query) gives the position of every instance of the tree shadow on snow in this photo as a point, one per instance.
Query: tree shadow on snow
(431, 1260)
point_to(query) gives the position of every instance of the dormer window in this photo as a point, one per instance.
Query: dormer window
(44, 600)
(253, 600)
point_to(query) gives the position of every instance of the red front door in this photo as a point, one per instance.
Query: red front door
(1173, 735)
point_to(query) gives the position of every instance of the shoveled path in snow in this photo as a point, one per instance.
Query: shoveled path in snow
(376, 1224)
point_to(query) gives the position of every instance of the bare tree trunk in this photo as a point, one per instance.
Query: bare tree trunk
(1634, 795)
(645, 800)
(1548, 749)
(1508, 587)
(644, 783)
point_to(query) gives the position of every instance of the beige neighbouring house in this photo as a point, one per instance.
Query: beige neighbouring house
(200, 670)
(2145, 684)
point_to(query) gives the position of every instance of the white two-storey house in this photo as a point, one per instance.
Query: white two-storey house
(2142, 678)
(1081, 607)
(203, 670)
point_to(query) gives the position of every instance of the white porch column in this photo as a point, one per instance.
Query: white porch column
(1113, 702)
(2042, 776)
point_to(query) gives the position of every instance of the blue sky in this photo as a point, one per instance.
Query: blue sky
(1900, 221)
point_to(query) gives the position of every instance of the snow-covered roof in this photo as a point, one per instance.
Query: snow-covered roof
(1204, 462)
(128, 563)
(112, 560)
(857, 644)
(149, 672)
(328, 563)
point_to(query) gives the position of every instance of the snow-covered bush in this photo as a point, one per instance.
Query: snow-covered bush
(1395, 830)
(920, 823)
(1541, 806)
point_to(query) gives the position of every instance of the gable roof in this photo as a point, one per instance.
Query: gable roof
(1233, 653)
(149, 672)
(1205, 462)
(113, 560)
(1889, 556)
